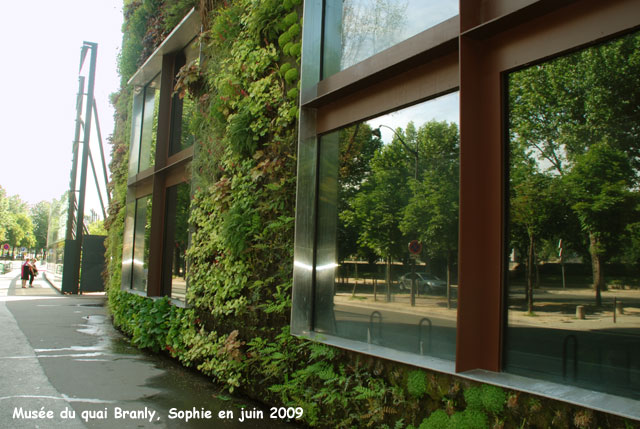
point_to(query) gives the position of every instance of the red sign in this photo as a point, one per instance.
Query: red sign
(6, 247)
(415, 247)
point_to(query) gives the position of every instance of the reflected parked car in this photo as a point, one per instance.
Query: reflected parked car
(425, 283)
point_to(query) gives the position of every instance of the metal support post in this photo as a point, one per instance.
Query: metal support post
(71, 274)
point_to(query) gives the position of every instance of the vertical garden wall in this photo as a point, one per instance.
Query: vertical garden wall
(236, 326)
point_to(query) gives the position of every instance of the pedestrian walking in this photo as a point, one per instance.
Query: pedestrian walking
(33, 273)
(25, 272)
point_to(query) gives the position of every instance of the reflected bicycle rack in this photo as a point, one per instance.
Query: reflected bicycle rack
(370, 329)
(420, 330)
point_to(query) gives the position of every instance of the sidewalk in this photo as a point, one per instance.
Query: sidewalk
(24, 384)
(63, 365)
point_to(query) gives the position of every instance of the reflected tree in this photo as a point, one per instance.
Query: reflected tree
(357, 148)
(431, 215)
(577, 117)
(378, 206)
(370, 26)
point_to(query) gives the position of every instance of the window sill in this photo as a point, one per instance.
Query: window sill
(174, 301)
(599, 401)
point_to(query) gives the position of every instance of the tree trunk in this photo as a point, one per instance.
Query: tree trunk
(597, 265)
(530, 274)
(388, 278)
(449, 258)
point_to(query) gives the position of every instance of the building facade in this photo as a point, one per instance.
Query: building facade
(434, 141)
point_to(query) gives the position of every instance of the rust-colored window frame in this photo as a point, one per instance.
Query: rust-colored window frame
(169, 170)
(471, 52)
(508, 38)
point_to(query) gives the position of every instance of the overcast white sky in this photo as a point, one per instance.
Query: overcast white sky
(40, 42)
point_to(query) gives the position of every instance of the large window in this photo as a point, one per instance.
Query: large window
(155, 241)
(547, 103)
(176, 240)
(183, 106)
(357, 29)
(573, 198)
(144, 126)
(388, 196)
(149, 133)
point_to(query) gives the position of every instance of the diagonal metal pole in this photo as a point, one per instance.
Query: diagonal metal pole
(95, 177)
(74, 165)
(104, 164)
(72, 283)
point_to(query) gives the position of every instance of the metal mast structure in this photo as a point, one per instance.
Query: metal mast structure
(75, 221)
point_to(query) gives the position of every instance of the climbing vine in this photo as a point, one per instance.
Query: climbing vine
(236, 330)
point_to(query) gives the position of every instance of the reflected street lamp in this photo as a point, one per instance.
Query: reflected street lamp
(376, 132)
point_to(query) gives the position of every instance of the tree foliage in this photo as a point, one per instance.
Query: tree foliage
(40, 218)
(576, 121)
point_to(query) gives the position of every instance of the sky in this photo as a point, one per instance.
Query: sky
(41, 42)
(444, 108)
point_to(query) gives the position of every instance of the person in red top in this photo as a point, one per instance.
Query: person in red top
(25, 272)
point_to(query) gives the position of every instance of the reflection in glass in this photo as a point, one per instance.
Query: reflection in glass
(183, 106)
(378, 192)
(176, 241)
(136, 129)
(358, 29)
(149, 124)
(574, 219)
(183, 122)
(142, 234)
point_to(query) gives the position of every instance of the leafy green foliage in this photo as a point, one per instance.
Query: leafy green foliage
(485, 398)
(417, 384)
(470, 419)
(237, 327)
(439, 419)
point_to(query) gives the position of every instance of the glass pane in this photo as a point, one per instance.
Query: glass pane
(149, 124)
(127, 238)
(136, 129)
(388, 224)
(176, 241)
(141, 244)
(183, 105)
(574, 219)
(358, 29)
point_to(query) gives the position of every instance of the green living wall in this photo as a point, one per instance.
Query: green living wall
(236, 329)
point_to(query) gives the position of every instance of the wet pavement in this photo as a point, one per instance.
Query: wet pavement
(62, 364)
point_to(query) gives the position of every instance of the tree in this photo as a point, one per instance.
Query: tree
(358, 146)
(562, 109)
(20, 227)
(379, 205)
(97, 228)
(4, 214)
(600, 184)
(40, 219)
(532, 209)
(431, 215)
(369, 28)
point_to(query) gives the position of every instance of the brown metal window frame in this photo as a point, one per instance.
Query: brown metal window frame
(471, 52)
(508, 38)
(169, 170)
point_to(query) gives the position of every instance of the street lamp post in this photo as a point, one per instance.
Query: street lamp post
(414, 152)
